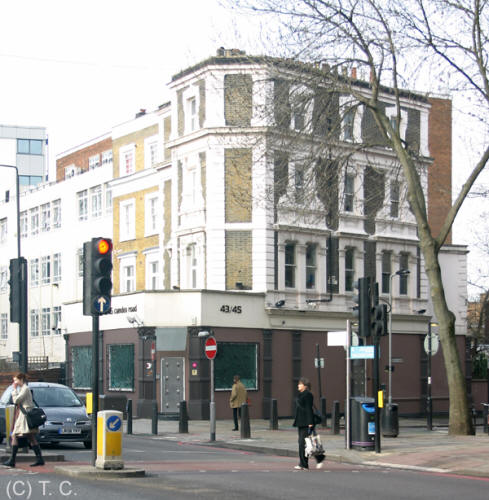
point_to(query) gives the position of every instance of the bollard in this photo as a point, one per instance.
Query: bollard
(245, 422)
(485, 416)
(183, 418)
(109, 440)
(324, 417)
(9, 418)
(335, 418)
(273, 415)
(129, 416)
(154, 417)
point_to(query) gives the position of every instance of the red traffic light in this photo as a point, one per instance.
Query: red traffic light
(104, 246)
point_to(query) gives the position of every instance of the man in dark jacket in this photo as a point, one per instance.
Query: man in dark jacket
(304, 419)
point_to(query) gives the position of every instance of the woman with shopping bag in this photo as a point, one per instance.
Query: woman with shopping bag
(305, 422)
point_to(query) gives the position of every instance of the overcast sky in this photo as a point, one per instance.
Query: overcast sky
(79, 68)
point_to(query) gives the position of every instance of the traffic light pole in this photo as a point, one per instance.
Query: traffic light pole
(95, 375)
(376, 394)
(21, 284)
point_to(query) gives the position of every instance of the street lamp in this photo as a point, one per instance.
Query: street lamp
(401, 272)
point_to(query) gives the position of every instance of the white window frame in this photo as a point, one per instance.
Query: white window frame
(391, 114)
(82, 200)
(311, 266)
(56, 214)
(24, 224)
(153, 280)
(94, 161)
(3, 278)
(127, 280)
(46, 269)
(4, 326)
(107, 157)
(56, 268)
(151, 151)
(151, 214)
(79, 261)
(34, 273)
(108, 200)
(349, 176)
(34, 217)
(96, 201)
(3, 230)
(45, 217)
(127, 220)
(45, 321)
(125, 153)
(56, 319)
(34, 316)
(191, 113)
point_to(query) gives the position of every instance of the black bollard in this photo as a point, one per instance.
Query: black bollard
(273, 415)
(183, 418)
(485, 416)
(154, 418)
(129, 416)
(335, 418)
(324, 417)
(245, 422)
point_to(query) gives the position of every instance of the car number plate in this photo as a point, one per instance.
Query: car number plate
(69, 430)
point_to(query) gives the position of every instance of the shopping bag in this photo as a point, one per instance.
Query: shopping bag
(314, 447)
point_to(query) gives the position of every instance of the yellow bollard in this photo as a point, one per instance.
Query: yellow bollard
(9, 418)
(109, 440)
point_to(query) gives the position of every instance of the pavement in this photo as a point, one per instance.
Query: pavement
(415, 448)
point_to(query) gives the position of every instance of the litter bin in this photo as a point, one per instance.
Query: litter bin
(362, 423)
(390, 420)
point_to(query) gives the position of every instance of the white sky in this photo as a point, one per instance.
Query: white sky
(79, 68)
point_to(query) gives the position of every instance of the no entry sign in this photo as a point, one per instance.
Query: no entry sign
(210, 348)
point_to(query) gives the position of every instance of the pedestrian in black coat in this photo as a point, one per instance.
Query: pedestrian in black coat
(304, 418)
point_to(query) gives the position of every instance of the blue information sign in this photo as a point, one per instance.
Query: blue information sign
(362, 352)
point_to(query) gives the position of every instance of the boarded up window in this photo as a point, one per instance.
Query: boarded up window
(238, 91)
(236, 359)
(238, 184)
(239, 271)
(81, 361)
(121, 367)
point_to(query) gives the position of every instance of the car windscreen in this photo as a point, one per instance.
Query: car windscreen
(55, 396)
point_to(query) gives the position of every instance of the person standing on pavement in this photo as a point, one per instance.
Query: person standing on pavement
(237, 398)
(21, 395)
(304, 420)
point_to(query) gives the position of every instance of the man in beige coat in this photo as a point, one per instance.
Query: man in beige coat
(237, 398)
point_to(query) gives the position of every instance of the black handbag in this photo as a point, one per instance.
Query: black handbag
(316, 416)
(35, 416)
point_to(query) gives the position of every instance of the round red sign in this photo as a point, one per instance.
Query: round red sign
(210, 348)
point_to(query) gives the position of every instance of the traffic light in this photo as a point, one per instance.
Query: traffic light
(18, 287)
(97, 282)
(364, 307)
(379, 323)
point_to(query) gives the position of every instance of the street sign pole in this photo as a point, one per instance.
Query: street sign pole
(210, 349)
(212, 405)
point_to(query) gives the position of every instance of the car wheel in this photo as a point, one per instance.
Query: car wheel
(87, 444)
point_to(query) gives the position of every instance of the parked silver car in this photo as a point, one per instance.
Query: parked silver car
(67, 418)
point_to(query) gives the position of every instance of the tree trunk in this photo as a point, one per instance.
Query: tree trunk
(460, 422)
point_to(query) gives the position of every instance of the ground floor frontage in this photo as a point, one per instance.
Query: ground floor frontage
(152, 347)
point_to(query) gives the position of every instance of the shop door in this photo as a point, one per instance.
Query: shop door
(172, 384)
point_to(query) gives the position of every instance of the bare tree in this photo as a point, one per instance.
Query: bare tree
(417, 43)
